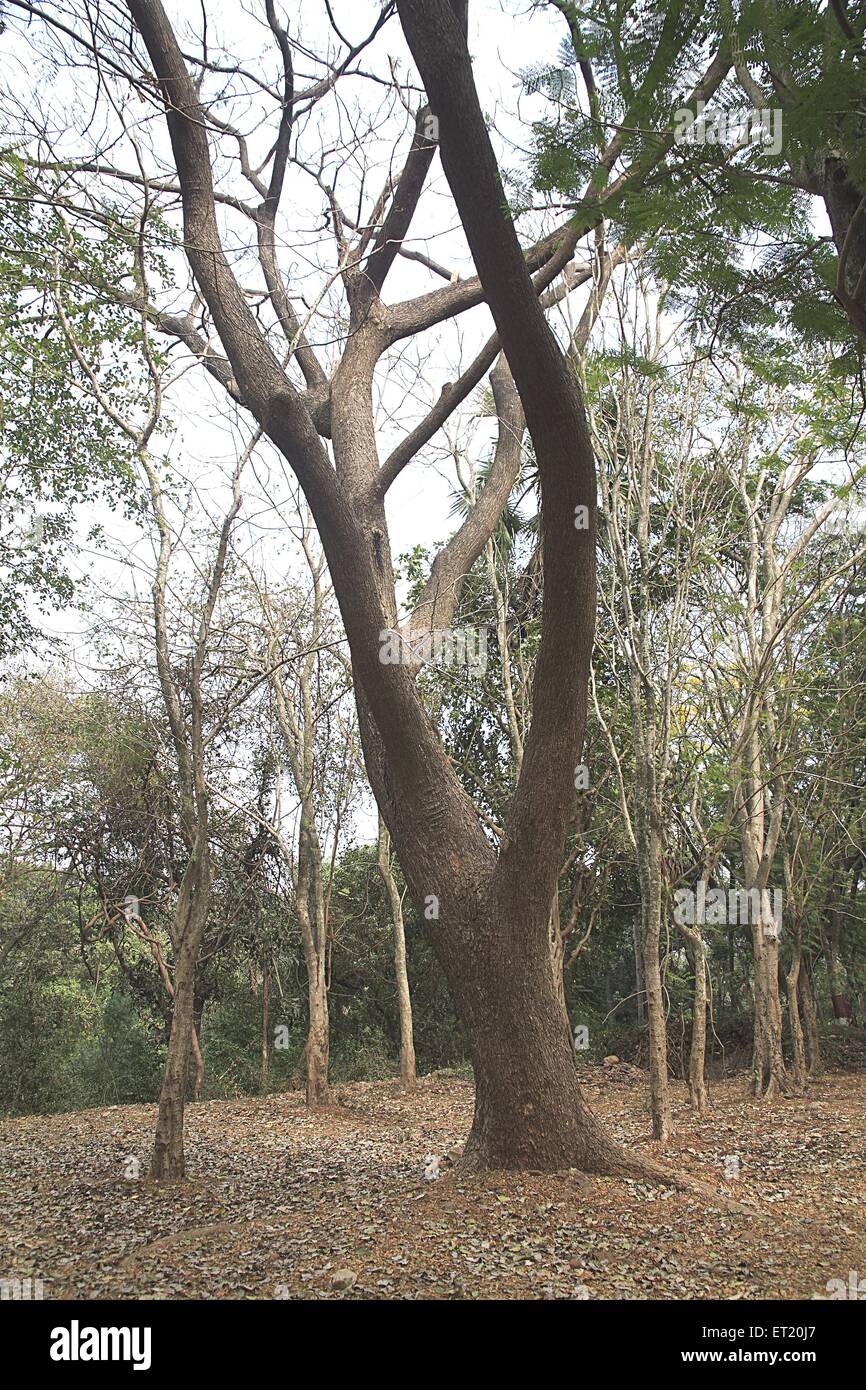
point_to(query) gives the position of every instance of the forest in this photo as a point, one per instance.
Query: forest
(432, 653)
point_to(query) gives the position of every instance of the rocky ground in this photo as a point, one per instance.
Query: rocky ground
(284, 1203)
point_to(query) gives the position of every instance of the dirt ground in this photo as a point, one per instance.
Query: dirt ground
(284, 1203)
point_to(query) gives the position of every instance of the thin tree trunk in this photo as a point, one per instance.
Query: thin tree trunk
(640, 982)
(557, 958)
(806, 988)
(836, 973)
(168, 1155)
(798, 1047)
(197, 1056)
(266, 1022)
(404, 998)
(769, 1074)
(318, 1032)
(697, 953)
(651, 908)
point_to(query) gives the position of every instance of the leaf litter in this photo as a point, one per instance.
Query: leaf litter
(286, 1202)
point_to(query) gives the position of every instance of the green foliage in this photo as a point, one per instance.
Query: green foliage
(58, 448)
(726, 222)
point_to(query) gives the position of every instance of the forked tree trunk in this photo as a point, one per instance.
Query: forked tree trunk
(492, 911)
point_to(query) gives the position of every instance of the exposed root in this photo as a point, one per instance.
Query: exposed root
(616, 1162)
(609, 1160)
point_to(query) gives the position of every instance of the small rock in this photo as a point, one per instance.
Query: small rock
(343, 1278)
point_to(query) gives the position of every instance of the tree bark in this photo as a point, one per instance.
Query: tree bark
(697, 953)
(836, 973)
(318, 1033)
(404, 999)
(488, 915)
(640, 982)
(557, 958)
(805, 984)
(650, 867)
(798, 1046)
(770, 1077)
(529, 1110)
(190, 919)
(266, 1024)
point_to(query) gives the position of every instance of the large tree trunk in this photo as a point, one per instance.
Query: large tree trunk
(529, 1110)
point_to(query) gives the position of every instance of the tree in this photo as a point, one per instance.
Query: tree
(491, 923)
(57, 449)
(404, 1000)
(488, 912)
(776, 446)
(194, 720)
(723, 201)
(307, 689)
(656, 508)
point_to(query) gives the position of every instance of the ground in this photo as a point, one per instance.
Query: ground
(283, 1202)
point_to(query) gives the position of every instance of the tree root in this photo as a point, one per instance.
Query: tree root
(615, 1162)
(606, 1159)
